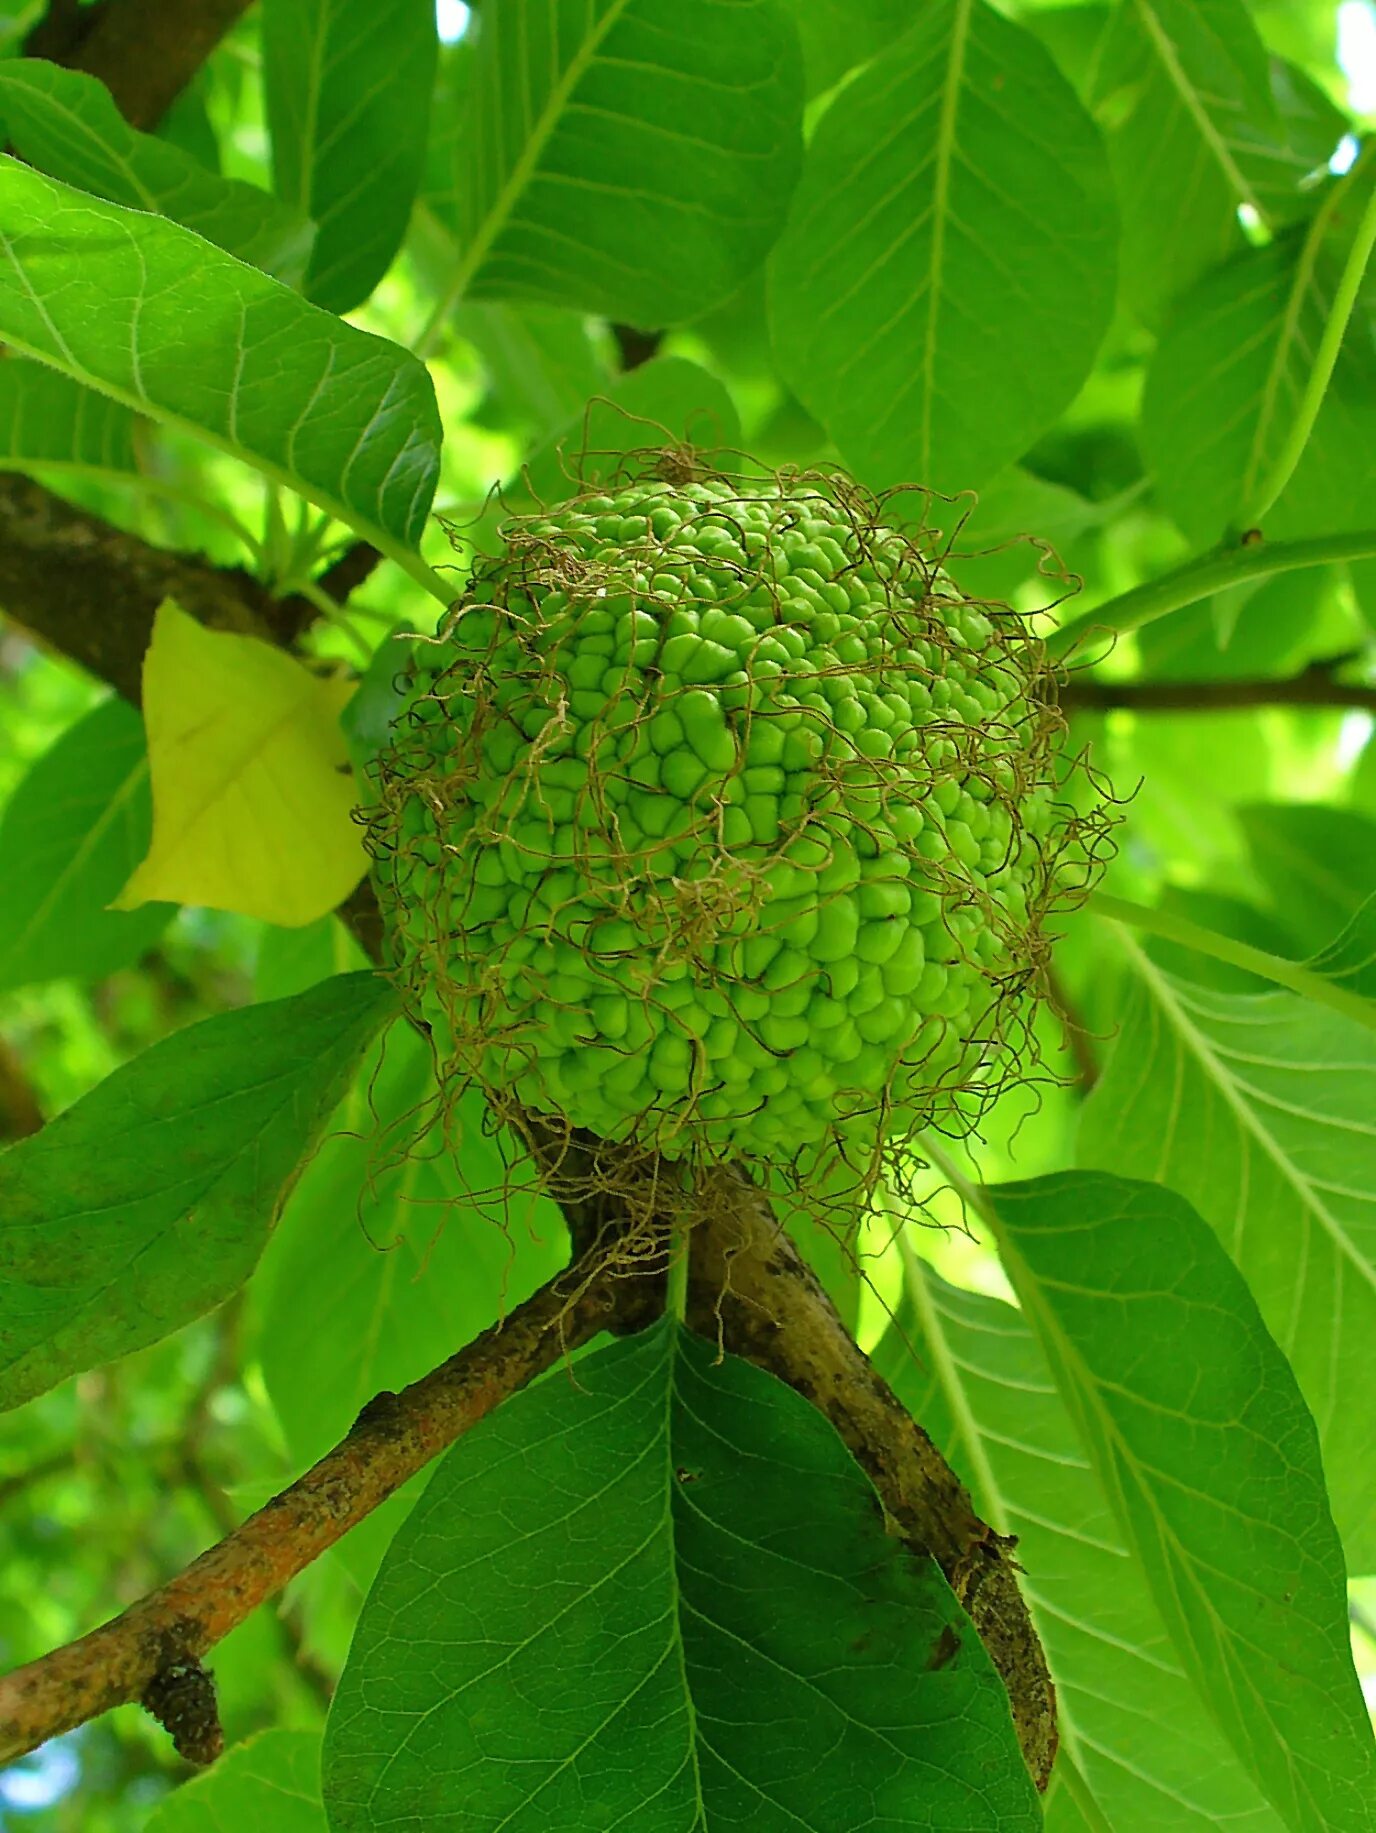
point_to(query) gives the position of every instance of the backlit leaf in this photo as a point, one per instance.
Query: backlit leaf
(253, 791)
(1228, 375)
(1196, 1429)
(971, 1370)
(149, 1201)
(395, 1249)
(948, 267)
(1258, 1110)
(66, 123)
(46, 419)
(73, 831)
(271, 1783)
(632, 157)
(347, 85)
(1183, 90)
(145, 311)
(672, 1563)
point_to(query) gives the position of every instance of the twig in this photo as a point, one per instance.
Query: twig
(20, 1114)
(395, 1436)
(1227, 565)
(1315, 686)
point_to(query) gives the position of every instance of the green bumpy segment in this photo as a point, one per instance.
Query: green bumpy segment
(718, 820)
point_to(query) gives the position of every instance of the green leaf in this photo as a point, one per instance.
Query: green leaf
(67, 124)
(271, 1782)
(149, 1201)
(1228, 375)
(143, 310)
(837, 35)
(45, 419)
(394, 1251)
(674, 1566)
(540, 360)
(970, 1369)
(664, 402)
(947, 271)
(73, 831)
(1183, 91)
(1197, 1431)
(347, 85)
(625, 157)
(1258, 1111)
(1317, 864)
(1351, 957)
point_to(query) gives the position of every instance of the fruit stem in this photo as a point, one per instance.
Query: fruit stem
(680, 1252)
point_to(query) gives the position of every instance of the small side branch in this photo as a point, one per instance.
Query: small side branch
(1315, 686)
(395, 1436)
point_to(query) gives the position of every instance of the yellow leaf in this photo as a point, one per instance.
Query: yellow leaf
(252, 791)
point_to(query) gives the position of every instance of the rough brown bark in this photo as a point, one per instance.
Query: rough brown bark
(144, 51)
(89, 590)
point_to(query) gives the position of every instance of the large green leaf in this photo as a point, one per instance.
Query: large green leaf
(46, 419)
(1228, 376)
(1183, 90)
(150, 1200)
(145, 311)
(948, 267)
(540, 360)
(660, 1595)
(837, 35)
(393, 1251)
(272, 1783)
(347, 85)
(970, 1369)
(631, 157)
(1258, 1110)
(73, 831)
(1197, 1431)
(67, 124)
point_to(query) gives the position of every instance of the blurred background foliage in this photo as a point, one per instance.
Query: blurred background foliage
(1260, 819)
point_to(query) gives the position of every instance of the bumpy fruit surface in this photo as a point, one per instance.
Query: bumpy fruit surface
(718, 819)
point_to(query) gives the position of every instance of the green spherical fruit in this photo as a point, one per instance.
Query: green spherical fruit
(719, 820)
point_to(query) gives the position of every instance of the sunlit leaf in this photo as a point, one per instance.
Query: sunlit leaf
(1210, 1461)
(408, 1246)
(149, 1201)
(272, 1782)
(347, 85)
(673, 1564)
(1226, 382)
(253, 791)
(948, 267)
(66, 123)
(1317, 864)
(631, 157)
(970, 1369)
(143, 310)
(1183, 90)
(46, 419)
(70, 836)
(1258, 1110)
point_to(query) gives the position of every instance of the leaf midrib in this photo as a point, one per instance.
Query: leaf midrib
(1248, 1120)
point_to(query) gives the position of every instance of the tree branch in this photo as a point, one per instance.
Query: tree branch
(395, 1436)
(1316, 686)
(144, 51)
(90, 590)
